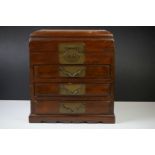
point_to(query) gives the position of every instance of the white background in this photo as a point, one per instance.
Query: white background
(129, 115)
(77, 13)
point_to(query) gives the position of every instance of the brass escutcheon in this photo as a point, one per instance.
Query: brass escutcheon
(72, 71)
(72, 89)
(72, 107)
(71, 53)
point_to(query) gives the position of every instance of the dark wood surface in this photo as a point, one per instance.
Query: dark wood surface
(52, 71)
(91, 89)
(45, 79)
(52, 107)
(71, 33)
(52, 58)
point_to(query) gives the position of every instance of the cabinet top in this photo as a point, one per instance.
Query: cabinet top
(70, 33)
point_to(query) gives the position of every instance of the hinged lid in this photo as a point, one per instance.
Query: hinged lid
(70, 33)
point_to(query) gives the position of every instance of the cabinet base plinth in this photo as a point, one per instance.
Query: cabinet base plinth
(55, 118)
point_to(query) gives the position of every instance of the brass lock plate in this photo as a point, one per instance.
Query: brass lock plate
(72, 89)
(72, 107)
(71, 53)
(72, 71)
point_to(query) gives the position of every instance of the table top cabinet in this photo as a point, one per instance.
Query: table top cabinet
(72, 76)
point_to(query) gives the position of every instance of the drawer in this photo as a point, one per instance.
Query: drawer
(70, 89)
(70, 71)
(72, 53)
(72, 107)
(88, 58)
(53, 45)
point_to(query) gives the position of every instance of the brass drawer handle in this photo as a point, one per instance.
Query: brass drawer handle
(72, 107)
(71, 53)
(72, 89)
(72, 71)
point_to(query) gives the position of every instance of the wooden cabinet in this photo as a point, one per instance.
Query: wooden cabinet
(72, 76)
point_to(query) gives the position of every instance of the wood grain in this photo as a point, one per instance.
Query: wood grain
(45, 78)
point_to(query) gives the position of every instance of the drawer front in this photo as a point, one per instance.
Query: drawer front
(72, 107)
(70, 71)
(69, 89)
(89, 58)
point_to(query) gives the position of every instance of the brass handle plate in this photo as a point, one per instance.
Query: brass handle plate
(72, 89)
(71, 53)
(72, 107)
(72, 71)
